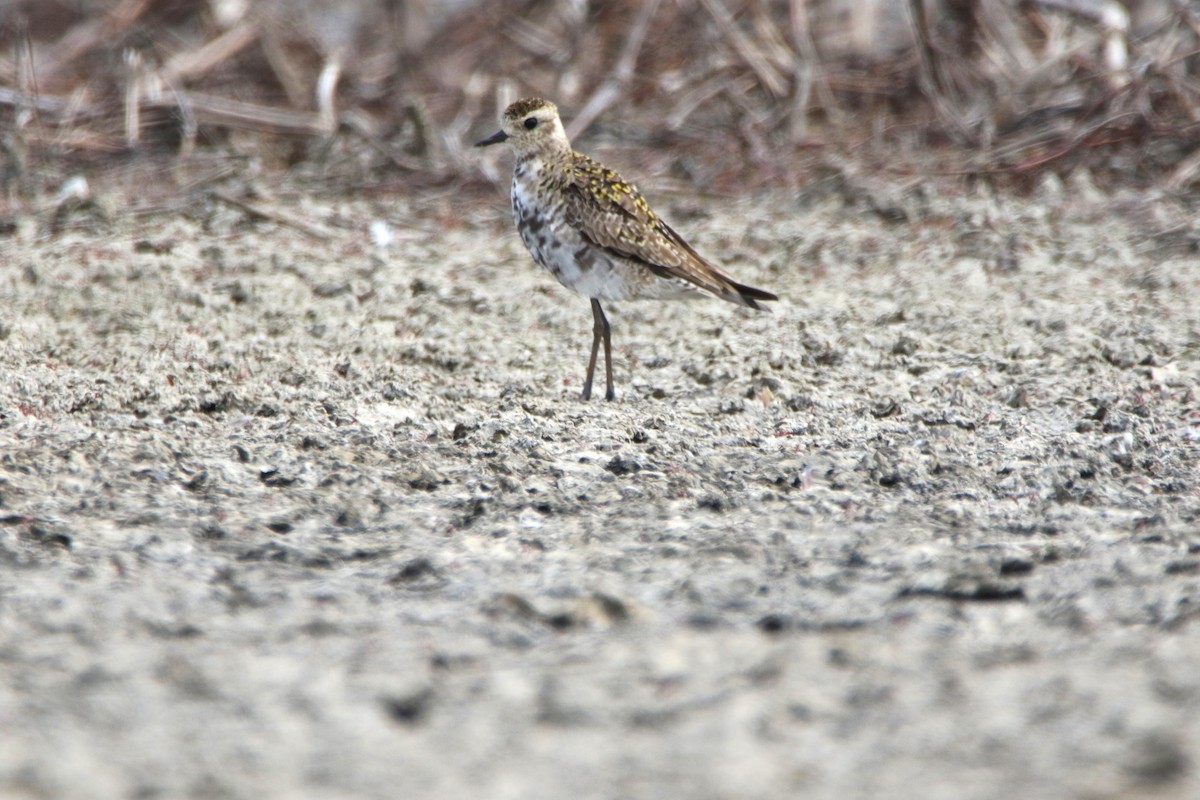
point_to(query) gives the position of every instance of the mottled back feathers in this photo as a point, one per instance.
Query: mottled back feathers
(612, 214)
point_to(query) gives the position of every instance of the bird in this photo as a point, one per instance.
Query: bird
(595, 232)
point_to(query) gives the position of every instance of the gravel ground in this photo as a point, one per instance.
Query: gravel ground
(285, 516)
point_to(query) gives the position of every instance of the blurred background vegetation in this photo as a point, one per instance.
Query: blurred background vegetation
(721, 95)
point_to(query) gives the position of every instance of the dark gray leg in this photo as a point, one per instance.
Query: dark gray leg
(600, 332)
(610, 393)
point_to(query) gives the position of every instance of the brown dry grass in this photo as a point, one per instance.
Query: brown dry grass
(738, 93)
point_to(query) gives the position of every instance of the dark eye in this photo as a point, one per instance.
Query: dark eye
(530, 123)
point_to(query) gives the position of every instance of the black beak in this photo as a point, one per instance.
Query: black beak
(495, 138)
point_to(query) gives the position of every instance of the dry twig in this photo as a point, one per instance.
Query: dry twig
(272, 214)
(614, 85)
(772, 81)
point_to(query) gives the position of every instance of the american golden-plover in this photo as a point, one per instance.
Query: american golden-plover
(595, 232)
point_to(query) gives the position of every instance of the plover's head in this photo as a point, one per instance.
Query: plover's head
(530, 126)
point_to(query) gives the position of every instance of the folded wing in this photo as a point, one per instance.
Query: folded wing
(611, 214)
